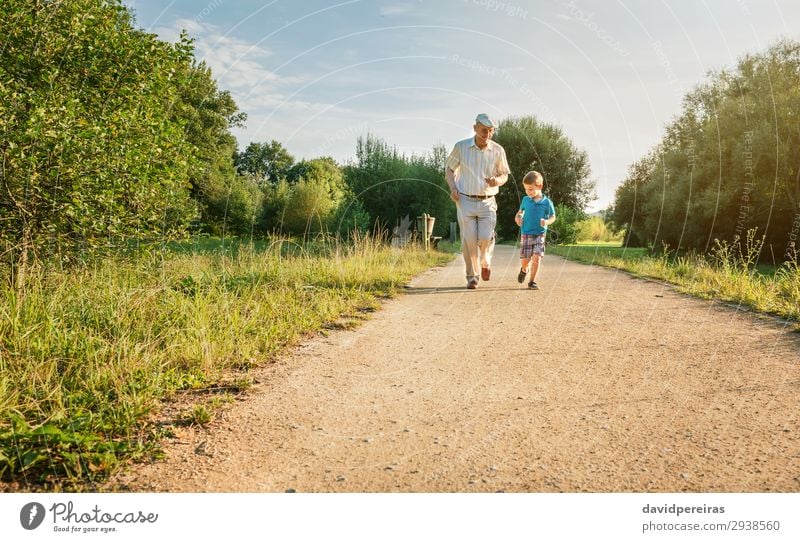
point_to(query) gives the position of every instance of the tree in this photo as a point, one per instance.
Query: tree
(268, 162)
(237, 210)
(728, 163)
(208, 115)
(533, 145)
(91, 154)
(391, 186)
(627, 213)
(313, 199)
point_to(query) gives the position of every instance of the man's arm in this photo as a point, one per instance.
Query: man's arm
(452, 164)
(450, 177)
(501, 167)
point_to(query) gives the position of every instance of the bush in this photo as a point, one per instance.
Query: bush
(92, 155)
(595, 230)
(567, 224)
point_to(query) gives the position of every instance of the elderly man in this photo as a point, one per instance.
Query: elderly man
(475, 170)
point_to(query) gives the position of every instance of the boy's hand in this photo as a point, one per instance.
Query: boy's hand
(518, 219)
(543, 222)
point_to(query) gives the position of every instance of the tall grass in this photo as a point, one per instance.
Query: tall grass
(729, 272)
(85, 356)
(595, 230)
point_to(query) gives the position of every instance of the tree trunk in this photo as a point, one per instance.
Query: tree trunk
(22, 263)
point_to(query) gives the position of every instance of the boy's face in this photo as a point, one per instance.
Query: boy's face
(533, 190)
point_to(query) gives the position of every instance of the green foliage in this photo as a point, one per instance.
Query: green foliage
(239, 209)
(314, 197)
(390, 185)
(92, 155)
(567, 224)
(225, 200)
(594, 229)
(350, 217)
(728, 163)
(268, 163)
(199, 415)
(317, 201)
(533, 145)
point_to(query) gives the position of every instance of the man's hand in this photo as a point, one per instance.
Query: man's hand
(454, 195)
(491, 181)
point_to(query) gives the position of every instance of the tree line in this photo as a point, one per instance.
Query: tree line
(729, 163)
(110, 136)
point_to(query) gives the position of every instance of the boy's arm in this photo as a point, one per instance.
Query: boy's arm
(552, 218)
(518, 216)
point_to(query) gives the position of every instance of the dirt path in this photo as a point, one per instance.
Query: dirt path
(598, 382)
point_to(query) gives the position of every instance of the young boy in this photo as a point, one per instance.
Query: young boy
(536, 212)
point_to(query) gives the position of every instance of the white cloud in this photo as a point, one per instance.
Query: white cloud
(401, 8)
(235, 63)
(239, 67)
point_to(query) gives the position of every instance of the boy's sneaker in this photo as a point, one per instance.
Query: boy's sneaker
(521, 276)
(533, 286)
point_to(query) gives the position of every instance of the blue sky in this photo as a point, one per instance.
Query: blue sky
(317, 74)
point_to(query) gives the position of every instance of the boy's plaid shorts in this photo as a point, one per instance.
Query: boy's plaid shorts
(530, 245)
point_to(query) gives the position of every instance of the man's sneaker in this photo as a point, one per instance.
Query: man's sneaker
(521, 276)
(485, 273)
(533, 286)
(472, 284)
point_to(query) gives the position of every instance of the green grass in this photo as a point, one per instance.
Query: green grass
(87, 357)
(450, 248)
(726, 274)
(593, 253)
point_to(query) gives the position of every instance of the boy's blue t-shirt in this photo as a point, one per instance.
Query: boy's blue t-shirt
(534, 211)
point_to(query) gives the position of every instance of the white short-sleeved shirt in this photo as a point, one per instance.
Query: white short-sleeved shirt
(473, 165)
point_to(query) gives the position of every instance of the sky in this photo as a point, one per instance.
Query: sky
(315, 75)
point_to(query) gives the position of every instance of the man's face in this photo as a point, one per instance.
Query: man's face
(532, 189)
(483, 133)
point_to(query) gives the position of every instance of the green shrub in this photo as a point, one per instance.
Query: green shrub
(567, 224)
(595, 230)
